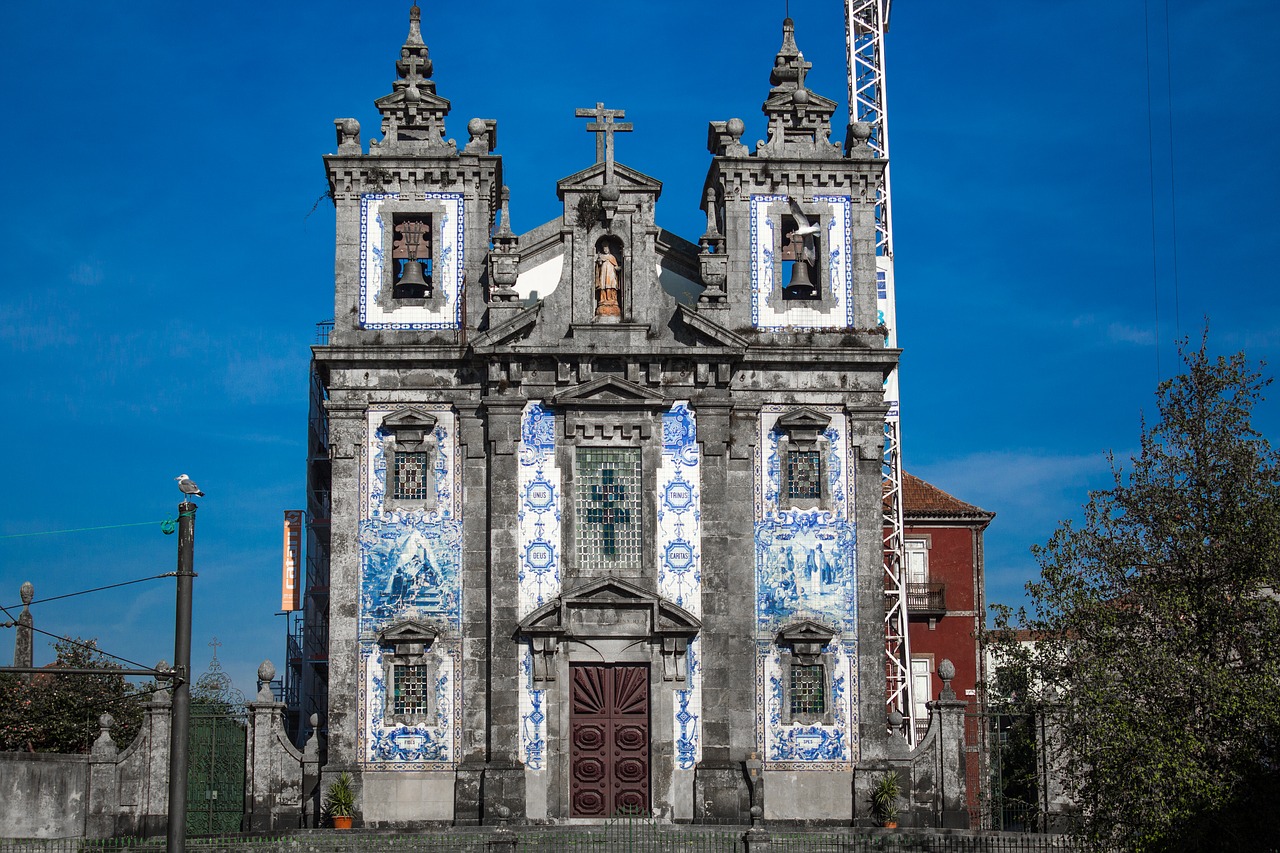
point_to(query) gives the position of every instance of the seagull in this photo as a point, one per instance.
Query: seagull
(806, 228)
(187, 487)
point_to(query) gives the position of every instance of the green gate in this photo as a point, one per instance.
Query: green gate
(216, 744)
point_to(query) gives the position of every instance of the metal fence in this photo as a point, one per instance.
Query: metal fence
(631, 837)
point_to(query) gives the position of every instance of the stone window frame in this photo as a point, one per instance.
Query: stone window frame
(408, 643)
(435, 210)
(410, 430)
(804, 644)
(576, 483)
(820, 213)
(801, 431)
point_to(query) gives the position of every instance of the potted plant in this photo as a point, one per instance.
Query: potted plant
(884, 798)
(340, 802)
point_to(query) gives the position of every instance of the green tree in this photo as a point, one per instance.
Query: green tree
(59, 713)
(1156, 621)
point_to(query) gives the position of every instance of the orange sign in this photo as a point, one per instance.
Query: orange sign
(290, 587)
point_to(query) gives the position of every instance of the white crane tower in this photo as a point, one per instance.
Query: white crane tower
(866, 22)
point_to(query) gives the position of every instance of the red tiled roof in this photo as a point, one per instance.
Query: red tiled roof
(921, 499)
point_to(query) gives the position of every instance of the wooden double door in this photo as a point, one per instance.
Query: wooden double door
(608, 740)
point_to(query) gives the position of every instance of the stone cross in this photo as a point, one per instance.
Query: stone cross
(604, 127)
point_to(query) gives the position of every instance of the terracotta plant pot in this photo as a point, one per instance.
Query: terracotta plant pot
(888, 824)
(342, 821)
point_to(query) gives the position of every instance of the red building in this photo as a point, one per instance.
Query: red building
(945, 597)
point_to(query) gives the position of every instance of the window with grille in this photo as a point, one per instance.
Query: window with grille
(410, 480)
(808, 689)
(804, 475)
(607, 508)
(409, 692)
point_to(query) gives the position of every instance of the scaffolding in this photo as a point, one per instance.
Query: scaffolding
(866, 22)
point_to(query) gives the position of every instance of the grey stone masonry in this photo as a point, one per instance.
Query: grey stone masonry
(607, 407)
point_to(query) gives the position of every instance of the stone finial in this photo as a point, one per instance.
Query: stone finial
(895, 721)
(484, 136)
(946, 671)
(799, 119)
(504, 259)
(104, 746)
(348, 130)
(24, 637)
(266, 672)
(413, 114)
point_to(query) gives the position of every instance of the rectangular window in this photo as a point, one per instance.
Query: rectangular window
(410, 480)
(808, 693)
(607, 508)
(804, 475)
(409, 693)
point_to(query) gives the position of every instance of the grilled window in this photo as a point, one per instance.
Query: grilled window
(607, 511)
(410, 481)
(808, 689)
(804, 475)
(409, 692)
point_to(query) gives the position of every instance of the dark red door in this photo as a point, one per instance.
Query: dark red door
(609, 740)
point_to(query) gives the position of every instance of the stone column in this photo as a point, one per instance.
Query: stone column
(342, 715)
(950, 777)
(721, 794)
(475, 620)
(503, 782)
(22, 645)
(311, 761)
(103, 801)
(272, 766)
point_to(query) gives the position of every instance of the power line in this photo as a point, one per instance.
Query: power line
(78, 643)
(166, 525)
(95, 589)
(1173, 188)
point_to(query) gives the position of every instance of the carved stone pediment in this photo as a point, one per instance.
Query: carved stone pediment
(610, 392)
(806, 639)
(407, 636)
(410, 426)
(615, 609)
(591, 178)
(803, 423)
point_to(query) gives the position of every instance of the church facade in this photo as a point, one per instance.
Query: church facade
(603, 504)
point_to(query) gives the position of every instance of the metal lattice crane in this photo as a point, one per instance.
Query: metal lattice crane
(865, 24)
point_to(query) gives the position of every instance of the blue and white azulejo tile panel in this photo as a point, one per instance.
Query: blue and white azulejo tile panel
(411, 747)
(767, 310)
(806, 568)
(804, 746)
(448, 265)
(540, 506)
(679, 554)
(410, 568)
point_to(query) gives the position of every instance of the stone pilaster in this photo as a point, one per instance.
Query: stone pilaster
(503, 780)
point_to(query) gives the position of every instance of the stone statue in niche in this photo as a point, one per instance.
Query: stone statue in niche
(607, 306)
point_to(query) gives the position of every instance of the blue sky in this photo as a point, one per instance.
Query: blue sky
(166, 259)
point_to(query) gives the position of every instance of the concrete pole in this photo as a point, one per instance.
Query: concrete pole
(178, 742)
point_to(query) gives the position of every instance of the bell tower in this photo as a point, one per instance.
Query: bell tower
(795, 219)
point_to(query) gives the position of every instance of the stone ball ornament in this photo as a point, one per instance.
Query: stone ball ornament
(736, 127)
(266, 671)
(610, 192)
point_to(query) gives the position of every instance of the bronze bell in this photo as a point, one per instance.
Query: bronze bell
(411, 277)
(801, 285)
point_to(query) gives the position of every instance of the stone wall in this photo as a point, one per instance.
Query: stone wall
(42, 795)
